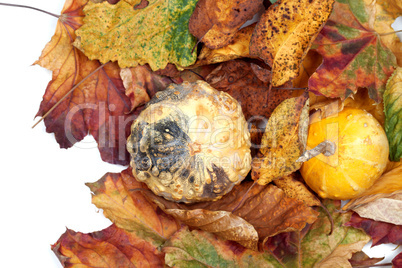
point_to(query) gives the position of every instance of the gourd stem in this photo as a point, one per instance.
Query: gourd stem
(326, 148)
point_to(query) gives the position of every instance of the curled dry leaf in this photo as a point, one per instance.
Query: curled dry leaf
(215, 22)
(266, 208)
(283, 142)
(95, 105)
(111, 247)
(141, 84)
(380, 232)
(294, 188)
(353, 55)
(239, 47)
(315, 245)
(130, 36)
(202, 249)
(385, 209)
(285, 33)
(361, 259)
(119, 196)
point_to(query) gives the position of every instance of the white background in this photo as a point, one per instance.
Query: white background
(42, 186)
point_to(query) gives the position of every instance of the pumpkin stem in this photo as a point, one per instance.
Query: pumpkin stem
(326, 148)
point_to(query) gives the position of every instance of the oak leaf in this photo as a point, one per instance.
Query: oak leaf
(215, 22)
(353, 54)
(283, 142)
(111, 247)
(156, 34)
(316, 244)
(393, 114)
(285, 33)
(380, 232)
(97, 106)
(202, 249)
(266, 208)
(119, 196)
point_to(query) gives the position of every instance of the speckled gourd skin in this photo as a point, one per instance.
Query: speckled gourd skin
(190, 143)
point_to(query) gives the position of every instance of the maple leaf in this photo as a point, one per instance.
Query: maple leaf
(380, 232)
(215, 22)
(353, 55)
(156, 34)
(284, 140)
(266, 208)
(97, 106)
(316, 245)
(119, 196)
(111, 247)
(202, 249)
(285, 33)
(393, 114)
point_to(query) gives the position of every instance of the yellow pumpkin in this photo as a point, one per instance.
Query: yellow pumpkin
(359, 160)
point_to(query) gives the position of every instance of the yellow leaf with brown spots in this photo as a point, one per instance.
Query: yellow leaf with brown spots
(283, 142)
(285, 33)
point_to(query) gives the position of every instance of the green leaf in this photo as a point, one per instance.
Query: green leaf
(202, 249)
(393, 114)
(156, 34)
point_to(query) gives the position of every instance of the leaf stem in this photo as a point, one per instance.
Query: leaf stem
(394, 32)
(67, 94)
(29, 7)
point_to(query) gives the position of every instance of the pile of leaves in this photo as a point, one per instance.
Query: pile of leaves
(108, 59)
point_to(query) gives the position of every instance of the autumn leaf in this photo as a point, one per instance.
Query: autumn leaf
(397, 261)
(393, 114)
(294, 188)
(285, 33)
(353, 55)
(283, 142)
(266, 208)
(202, 249)
(376, 209)
(361, 259)
(215, 22)
(386, 11)
(156, 34)
(141, 84)
(97, 106)
(111, 247)
(315, 245)
(119, 196)
(380, 232)
(239, 47)
(240, 80)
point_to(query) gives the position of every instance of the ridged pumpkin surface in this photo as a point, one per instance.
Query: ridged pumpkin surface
(360, 158)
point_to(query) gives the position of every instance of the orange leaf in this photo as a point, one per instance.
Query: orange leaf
(111, 247)
(215, 22)
(120, 198)
(98, 106)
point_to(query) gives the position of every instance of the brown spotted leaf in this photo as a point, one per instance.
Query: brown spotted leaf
(353, 54)
(283, 142)
(285, 33)
(119, 196)
(215, 22)
(266, 208)
(111, 247)
(380, 232)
